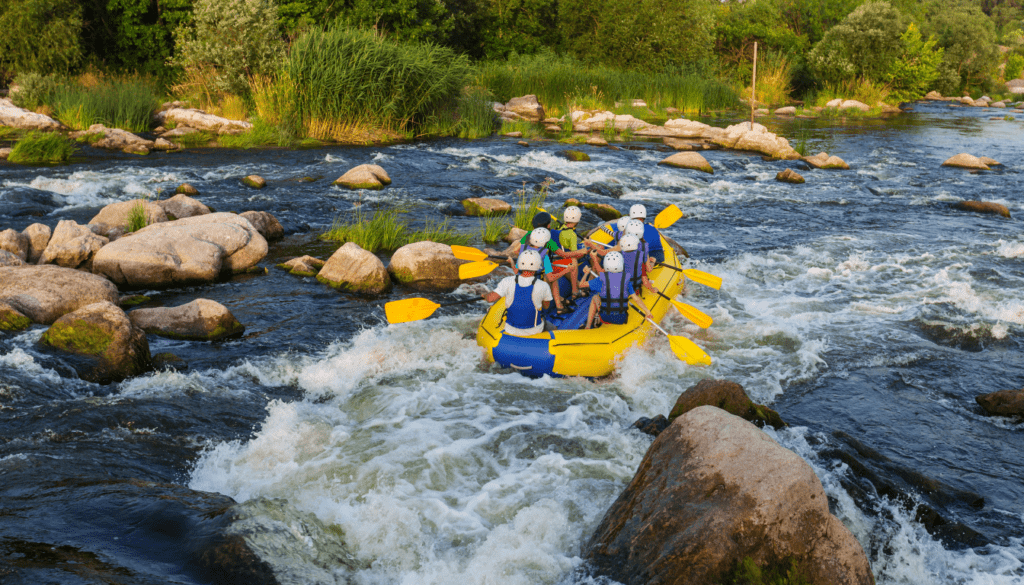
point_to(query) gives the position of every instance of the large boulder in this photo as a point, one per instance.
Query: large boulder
(730, 397)
(966, 161)
(113, 348)
(200, 320)
(364, 177)
(786, 111)
(755, 138)
(38, 235)
(72, 245)
(200, 120)
(181, 206)
(426, 266)
(194, 249)
(119, 214)
(933, 96)
(823, 161)
(44, 293)
(683, 128)
(988, 207)
(854, 105)
(266, 224)
(117, 139)
(1004, 402)
(16, 243)
(601, 121)
(15, 117)
(712, 491)
(355, 269)
(485, 207)
(688, 160)
(526, 107)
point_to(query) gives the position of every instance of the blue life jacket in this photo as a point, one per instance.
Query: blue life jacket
(614, 300)
(654, 247)
(634, 264)
(523, 314)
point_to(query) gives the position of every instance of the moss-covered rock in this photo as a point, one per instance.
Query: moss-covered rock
(789, 176)
(983, 207)
(11, 319)
(603, 210)
(113, 348)
(485, 207)
(254, 181)
(200, 320)
(575, 155)
(730, 397)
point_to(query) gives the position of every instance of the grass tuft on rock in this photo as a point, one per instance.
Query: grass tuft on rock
(385, 231)
(40, 148)
(527, 205)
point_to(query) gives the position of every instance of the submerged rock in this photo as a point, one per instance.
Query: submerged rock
(364, 177)
(688, 160)
(823, 161)
(789, 176)
(988, 207)
(254, 181)
(101, 332)
(194, 249)
(303, 266)
(966, 161)
(713, 491)
(45, 293)
(574, 155)
(200, 320)
(186, 189)
(484, 206)
(426, 266)
(355, 269)
(1004, 402)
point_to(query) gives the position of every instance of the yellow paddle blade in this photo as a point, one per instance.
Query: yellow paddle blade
(688, 351)
(704, 278)
(407, 310)
(467, 253)
(667, 217)
(476, 269)
(694, 314)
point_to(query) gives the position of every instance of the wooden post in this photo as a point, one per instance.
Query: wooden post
(753, 87)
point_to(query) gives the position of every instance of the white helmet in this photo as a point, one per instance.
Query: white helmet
(572, 214)
(614, 262)
(529, 260)
(638, 212)
(540, 237)
(621, 223)
(629, 242)
(635, 227)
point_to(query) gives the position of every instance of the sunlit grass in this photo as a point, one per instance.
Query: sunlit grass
(40, 148)
(385, 231)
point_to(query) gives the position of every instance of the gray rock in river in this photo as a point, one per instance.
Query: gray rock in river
(364, 177)
(714, 490)
(355, 269)
(119, 214)
(426, 266)
(72, 245)
(9, 259)
(200, 320)
(14, 242)
(303, 265)
(181, 206)
(194, 249)
(730, 397)
(38, 235)
(10, 318)
(113, 348)
(45, 293)
(266, 224)
(15, 117)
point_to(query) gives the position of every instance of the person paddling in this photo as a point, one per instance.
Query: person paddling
(569, 247)
(612, 293)
(651, 234)
(525, 297)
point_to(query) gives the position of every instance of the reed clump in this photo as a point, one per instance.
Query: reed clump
(117, 103)
(386, 231)
(41, 148)
(527, 205)
(561, 82)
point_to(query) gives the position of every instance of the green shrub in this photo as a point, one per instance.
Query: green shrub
(126, 104)
(194, 139)
(968, 39)
(262, 133)
(237, 38)
(41, 147)
(354, 77)
(34, 90)
(528, 129)
(863, 45)
(1014, 66)
(911, 75)
(40, 36)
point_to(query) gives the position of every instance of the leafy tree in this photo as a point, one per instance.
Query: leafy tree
(864, 44)
(638, 34)
(914, 72)
(239, 38)
(405, 20)
(740, 24)
(968, 38)
(142, 33)
(39, 36)
(1014, 66)
(811, 19)
(518, 26)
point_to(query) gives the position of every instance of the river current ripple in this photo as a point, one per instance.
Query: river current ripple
(859, 305)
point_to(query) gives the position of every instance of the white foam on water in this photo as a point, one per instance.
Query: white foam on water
(1010, 249)
(20, 360)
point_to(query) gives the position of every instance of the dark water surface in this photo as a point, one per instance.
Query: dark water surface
(864, 308)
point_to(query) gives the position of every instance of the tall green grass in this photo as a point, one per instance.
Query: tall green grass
(41, 147)
(126, 104)
(385, 231)
(527, 205)
(561, 82)
(355, 77)
(493, 228)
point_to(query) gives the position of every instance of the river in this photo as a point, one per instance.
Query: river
(860, 306)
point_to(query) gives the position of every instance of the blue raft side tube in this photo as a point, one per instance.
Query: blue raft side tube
(529, 357)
